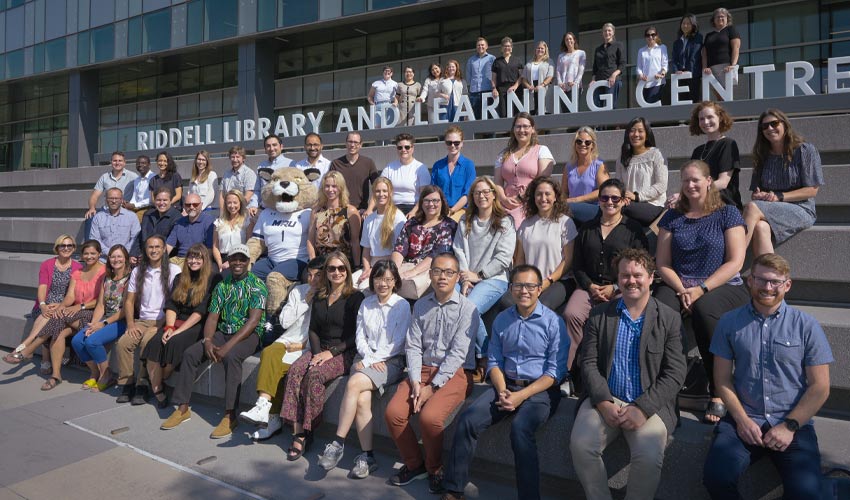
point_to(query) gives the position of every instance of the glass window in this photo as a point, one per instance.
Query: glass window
(189, 80)
(229, 100)
(195, 22)
(54, 23)
(60, 103)
(2, 73)
(146, 113)
(134, 8)
(127, 114)
(350, 7)
(14, 29)
(212, 76)
(127, 91)
(645, 11)
(126, 139)
(15, 64)
(168, 84)
(318, 88)
(220, 19)
(385, 46)
(109, 95)
(266, 15)
(102, 12)
(108, 140)
(319, 58)
(295, 12)
(157, 32)
(103, 43)
(330, 9)
(422, 40)
(210, 103)
(134, 36)
(109, 116)
(38, 58)
(592, 14)
(350, 84)
(287, 92)
(146, 88)
(497, 25)
(461, 34)
(351, 53)
(187, 106)
(386, 4)
(289, 63)
(166, 109)
(230, 77)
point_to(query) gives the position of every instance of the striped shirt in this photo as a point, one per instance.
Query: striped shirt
(232, 301)
(624, 380)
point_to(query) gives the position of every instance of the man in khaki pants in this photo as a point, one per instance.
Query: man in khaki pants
(148, 287)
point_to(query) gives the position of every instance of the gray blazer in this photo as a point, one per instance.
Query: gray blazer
(662, 362)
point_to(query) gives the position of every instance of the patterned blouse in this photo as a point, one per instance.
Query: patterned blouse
(804, 170)
(113, 294)
(333, 232)
(417, 242)
(232, 301)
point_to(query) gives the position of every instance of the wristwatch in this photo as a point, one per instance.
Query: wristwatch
(780, 195)
(105, 322)
(703, 287)
(792, 424)
(481, 275)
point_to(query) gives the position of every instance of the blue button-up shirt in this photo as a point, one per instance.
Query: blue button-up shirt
(770, 356)
(114, 229)
(478, 70)
(184, 234)
(455, 185)
(624, 380)
(528, 348)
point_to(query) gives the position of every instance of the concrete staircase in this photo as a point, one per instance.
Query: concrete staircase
(38, 205)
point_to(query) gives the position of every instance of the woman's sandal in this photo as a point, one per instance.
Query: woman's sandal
(15, 358)
(89, 384)
(50, 383)
(302, 439)
(102, 386)
(715, 409)
(161, 403)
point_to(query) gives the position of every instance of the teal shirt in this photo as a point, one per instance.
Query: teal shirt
(232, 300)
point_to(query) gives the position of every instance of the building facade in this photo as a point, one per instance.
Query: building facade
(80, 78)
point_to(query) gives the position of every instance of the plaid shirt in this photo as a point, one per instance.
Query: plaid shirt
(624, 380)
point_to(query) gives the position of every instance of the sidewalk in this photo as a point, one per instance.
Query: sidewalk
(72, 444)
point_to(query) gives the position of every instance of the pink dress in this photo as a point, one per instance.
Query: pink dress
(517, 174)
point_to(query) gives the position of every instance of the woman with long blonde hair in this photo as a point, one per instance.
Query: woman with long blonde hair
(232, 228)
(204, 179)
(334, 222)
(583, 175)
(380, 229)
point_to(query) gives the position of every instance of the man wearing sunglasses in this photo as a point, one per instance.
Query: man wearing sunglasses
(527, 359)
(633, 367)
(786, 353)
(440, 361)
(195, 227)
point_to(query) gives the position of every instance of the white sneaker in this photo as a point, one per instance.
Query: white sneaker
(259, 414)
(274, 426)
(566, 390)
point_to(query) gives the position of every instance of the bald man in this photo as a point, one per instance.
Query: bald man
(195, 227)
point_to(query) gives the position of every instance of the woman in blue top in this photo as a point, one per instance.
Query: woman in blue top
(454, 173)
(687, 55)
(701, 249)
(583, 175)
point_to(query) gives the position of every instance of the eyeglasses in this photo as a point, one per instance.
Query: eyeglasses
(766, 283)
(66, 246)
(192, 205)
(522, 127)
(454, 143)
(387, 281)
(432, 202)
(518, 287)
(604, 198)
(482, 192)
(770, 124)
(436, 272)
(406, 147)
(586, 143)
(335, 269)
(650, 35)
(195, 257)
(353, 143)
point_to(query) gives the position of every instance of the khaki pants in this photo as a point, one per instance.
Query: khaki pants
(591, 435)
(127, 346)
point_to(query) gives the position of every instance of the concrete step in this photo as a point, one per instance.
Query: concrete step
(37, 235)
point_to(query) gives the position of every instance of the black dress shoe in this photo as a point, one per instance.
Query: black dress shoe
(141, 395)
(127, 391)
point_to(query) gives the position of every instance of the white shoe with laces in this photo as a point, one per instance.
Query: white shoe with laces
(274, 426)
(259, 414)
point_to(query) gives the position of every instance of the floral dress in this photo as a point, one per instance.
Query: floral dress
(333, 232)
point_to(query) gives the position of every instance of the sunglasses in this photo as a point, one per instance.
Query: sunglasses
(65, 247)
(771, 124)
(192, 205)
(604, 198)
(650, 35)
(586, 143)
(453, 143)
(406, 147)
(335, 269)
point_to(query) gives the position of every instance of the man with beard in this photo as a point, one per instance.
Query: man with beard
(276, 160)
(315, 165)
(771, 368)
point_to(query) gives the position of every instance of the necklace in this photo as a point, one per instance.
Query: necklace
(613, 222)
(703, 155)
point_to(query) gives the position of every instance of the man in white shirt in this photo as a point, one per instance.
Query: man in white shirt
(315, 165)
(276, 160)
(140, 200)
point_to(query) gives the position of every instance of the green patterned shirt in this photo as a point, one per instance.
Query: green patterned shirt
(232, 300)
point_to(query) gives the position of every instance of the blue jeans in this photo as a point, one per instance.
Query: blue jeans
(652, 94)
(484, 295)
(614, 91)
(291, 269)
(729, 457)
(91, 348)
(583, 211)
(479, 416)
(475, 99)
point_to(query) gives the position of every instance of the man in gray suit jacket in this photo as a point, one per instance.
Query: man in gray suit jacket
(633, 367)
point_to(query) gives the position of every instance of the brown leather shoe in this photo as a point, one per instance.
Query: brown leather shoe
(224, 428)
(479, 374)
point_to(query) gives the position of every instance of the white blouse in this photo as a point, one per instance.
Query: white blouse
(292, 318)
(571, 67)
(370, 235)
(407, 180)
(206, 190)
(229, 236)
(382, 328)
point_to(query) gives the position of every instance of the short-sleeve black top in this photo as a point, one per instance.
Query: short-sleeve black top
(717, 45)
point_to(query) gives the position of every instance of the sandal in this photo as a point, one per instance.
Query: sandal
(20, 347)
(102, 386)
(302, 439)
(51, 383)
(161, 403)
(89, 384)
(715, 409)
(14, 358)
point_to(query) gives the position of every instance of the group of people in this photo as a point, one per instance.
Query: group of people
(716, 53)
(542, 286)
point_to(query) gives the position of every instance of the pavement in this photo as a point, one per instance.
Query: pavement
(72, 444)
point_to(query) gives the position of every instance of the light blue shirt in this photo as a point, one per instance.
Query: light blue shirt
(528, 348)
(624, 380)
(770, 357)
(119, 229)
(478, 72)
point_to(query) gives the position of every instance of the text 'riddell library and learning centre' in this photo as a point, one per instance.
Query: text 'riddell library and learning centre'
(82, 78)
